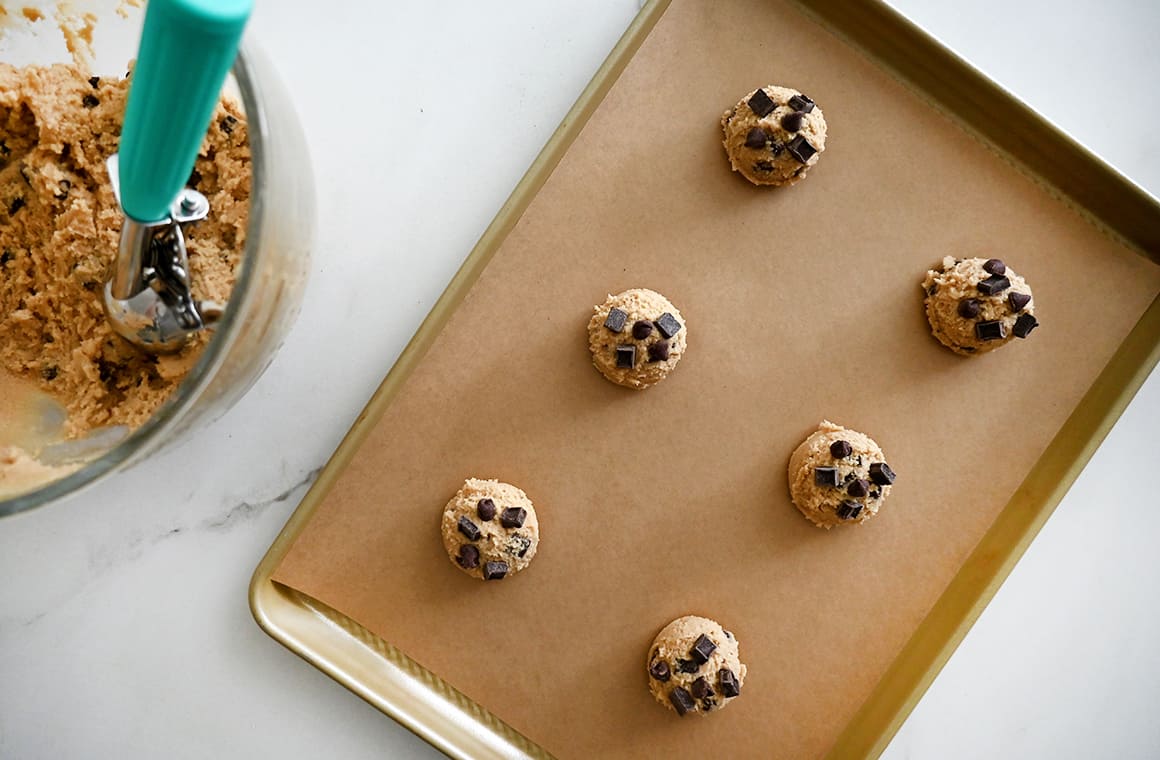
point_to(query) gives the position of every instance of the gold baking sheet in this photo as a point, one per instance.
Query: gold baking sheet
(801, 303)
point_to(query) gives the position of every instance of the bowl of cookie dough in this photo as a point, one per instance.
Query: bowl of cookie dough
(77, 401)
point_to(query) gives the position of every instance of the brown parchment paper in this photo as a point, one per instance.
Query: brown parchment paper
(801, 303)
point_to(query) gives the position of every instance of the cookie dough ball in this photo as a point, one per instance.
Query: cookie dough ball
(774, 135)
(977, 305)
(838, 476)
(490, 529)
(694, 666)
(636, 338)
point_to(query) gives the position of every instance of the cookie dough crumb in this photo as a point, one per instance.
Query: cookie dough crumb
(490, 530)
(977, 305)
(694, 666)
(637, 338)
(774, 135)
(838, 476)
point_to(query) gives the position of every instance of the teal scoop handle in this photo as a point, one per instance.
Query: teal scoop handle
(187, 47)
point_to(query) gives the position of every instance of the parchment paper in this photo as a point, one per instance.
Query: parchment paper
(801, 303)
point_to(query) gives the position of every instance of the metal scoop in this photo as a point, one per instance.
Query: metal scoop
(187, 47)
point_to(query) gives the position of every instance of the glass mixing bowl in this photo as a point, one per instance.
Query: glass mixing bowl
(272, 271)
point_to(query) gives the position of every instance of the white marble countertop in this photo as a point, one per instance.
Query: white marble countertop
(124, 629)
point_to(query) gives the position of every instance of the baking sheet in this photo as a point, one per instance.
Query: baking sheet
(801, 303)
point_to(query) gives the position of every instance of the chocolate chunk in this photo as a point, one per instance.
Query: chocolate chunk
(668, 325)
(763, 166)
(513, 517)
(64, 186)
(826, 476)
(227, 124)
(468, 557)
(194, 178)
(858, 488)
(708, 703)
(518, 545)
(875, 494)
(49, 373)
(681, 699)
(992, 330)
(800, 148)
(848, 510)
(994, 266)
(90, 101)
(1024, 325)
(801, 103)
(881, 474)
(761, 104)
(777, 149)
(932, 289)
(95, 82)
(996, 283)
(659, 351)
(641, 329)
(616, 319)
(626, 356)
(660, 671)
(841, 449)
(702, 648)
(756, 138)
(1017, 301)
(17, 203)
(969, 308)
(5, 257)
(700, 688)
(729, 686)
(687, 666)
(485, 509)
(469, 529)
(494, 571)
(792, 122)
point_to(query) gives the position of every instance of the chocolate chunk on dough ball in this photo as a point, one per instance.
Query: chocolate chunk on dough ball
(636, 338)
(838, 476)
(694, 666)
(977, 305)
(490, 529)
(774, 135)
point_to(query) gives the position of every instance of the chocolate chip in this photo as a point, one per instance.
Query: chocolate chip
(875, 494)
(90, 101)
(994, 266)
(761, 104)
(801, 103)
(494, 571)
(641, 329)
(858, 488)
(485, 509)
(668, 325)
(469, 529)
(687, 666)
(659, 351)
(756, 138)
(777, 149)
(513, 517)
(702, 648)
(626, 356)
(932, 289)
(17, 204)
(792, 122)
(990, 330)
(996, 283)
(681, 699)
(1024, 325)
(1017, 301)
(616, 319)
(5, 257)
(700, 688)
(227, 124)
(763, 166)
(49, 373)
(468, 557)
(841, 449)
(969, 308)
(800, 148)
(64, 186)
(881, 474)
(826, 476)
(848, 510)
(660, 671)
(729, 686)
(518, 545)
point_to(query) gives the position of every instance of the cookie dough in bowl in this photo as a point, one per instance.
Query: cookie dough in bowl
(774, 135)
(694, 666)
(636, 338)
(838, 476)
(977, 305)
(490, 529)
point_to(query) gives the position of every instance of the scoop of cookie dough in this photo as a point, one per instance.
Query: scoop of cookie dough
(636, 338)
(774, 135)
(977, 305)
(490, 529)
(838, 476)
(694, 666)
